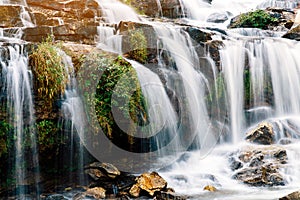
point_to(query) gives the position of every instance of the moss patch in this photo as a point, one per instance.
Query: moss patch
(256, 19)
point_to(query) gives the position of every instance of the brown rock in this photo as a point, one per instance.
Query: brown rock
(293, 34)
(107, 168)
(210, 188)
(96, 192)
(151, 182)
(36, 34)
(10, 16)
(292, 196)
(262, 134)
(168, 195)
(135, 191)
(95, 174)
(53, 5)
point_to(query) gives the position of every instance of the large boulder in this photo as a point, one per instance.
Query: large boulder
(271, 18)
(98, 169)
(148, 182)
(263, 133)
(259, 165)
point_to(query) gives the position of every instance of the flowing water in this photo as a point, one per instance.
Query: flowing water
(18, 88)
(260, 76)
(271, 67)
(72, 110)
(115, 11)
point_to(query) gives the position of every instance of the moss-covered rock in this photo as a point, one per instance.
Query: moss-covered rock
(255, 19)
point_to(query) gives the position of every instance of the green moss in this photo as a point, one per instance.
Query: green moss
(6, 137)
(255, 19)
(47, 134)
(138, 45)
(117, 83)
(49, 71)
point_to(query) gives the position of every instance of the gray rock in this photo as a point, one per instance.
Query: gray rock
(217, 17)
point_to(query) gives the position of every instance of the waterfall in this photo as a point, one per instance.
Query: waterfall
(108, 40)
(114, 11)
(288, 4)
(188, 84)
(72, 109)
(232, 61)
(198, 11)
(20, 110)
(162, 116)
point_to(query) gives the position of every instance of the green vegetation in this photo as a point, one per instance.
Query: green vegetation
(6, 137)
(47, 131)
(49, 71)
(138, 45)
(116, 83)
(247, 87)
(255, 19)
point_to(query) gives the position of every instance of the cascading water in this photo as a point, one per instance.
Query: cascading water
(109, 40)
(186, 82)
(233, 74)
(162, 116)
(252, 70)
(20, 111)
(72, 109)
(114, 11)
(199, 11)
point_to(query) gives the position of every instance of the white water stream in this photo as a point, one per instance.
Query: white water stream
(272, 64)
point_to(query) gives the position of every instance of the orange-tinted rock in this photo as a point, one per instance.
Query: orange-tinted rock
(151, 182)
(10, 16)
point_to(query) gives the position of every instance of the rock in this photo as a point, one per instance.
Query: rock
(262, 134)
(234, 164)
(293, 34)
(291, 196)
(264, 176)
(276, 19)
(106, 168)
(168, 195)
(217, 17)
(167, 8)
(150, 182)
(95, 174)
(55, 197)
(36, 34)
(42, 19)
(10, 16)
(135, 191)
(260, 165)
(96, 192)
(210, 188)
(198, 35)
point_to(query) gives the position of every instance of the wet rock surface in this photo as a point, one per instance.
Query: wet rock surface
(293, 33)
(10, 16)
(291, 196)
(259, 165)
(263, 133)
